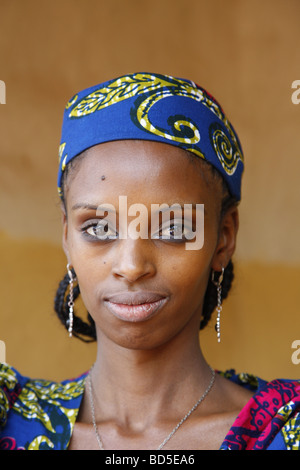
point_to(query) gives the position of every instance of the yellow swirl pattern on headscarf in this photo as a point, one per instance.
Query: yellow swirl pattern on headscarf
(121, 89)
(137, 84)
(149, 89)
(228, 156)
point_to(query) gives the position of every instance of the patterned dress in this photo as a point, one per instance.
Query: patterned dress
(40, 414)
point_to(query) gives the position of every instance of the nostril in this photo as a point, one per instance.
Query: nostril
(132, 275)
(134, 260)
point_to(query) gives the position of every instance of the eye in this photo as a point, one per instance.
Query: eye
(100, 230)
(173, 231)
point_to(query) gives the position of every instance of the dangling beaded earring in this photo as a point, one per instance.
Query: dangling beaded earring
(218, 284)
(71, 301)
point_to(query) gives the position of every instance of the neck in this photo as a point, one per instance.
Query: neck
(136, 385)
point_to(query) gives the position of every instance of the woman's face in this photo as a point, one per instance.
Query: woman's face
(162, 274)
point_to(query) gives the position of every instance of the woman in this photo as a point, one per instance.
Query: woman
(148, 163)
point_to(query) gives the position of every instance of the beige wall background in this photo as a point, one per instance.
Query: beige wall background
(246, 53)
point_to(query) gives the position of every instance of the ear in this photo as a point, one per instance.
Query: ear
(227, 239)
(65, 233)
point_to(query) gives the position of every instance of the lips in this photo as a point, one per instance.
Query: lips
(135, 306)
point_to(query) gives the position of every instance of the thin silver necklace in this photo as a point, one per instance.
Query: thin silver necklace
(100, 444)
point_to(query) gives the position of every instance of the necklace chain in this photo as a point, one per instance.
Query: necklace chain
(100, 444)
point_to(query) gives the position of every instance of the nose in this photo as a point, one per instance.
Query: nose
(134, 260)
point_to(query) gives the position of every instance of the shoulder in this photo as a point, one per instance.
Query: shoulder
(248, 381)
(37, 413)
(270, 419)
(11, 384)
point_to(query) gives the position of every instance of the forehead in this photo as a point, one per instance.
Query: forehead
(141, 169)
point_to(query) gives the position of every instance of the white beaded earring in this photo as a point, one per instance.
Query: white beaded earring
(218, 284)
(71, 301)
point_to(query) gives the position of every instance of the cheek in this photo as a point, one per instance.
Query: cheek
(189, 276)
(90, 268)
(90, 283)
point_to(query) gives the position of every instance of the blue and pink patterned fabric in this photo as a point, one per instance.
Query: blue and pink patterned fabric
(40, 415)
(271, 418)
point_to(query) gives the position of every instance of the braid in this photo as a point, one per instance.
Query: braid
(210, 298)
(85, 331)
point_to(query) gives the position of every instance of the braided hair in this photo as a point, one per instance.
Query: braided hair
(86, 330)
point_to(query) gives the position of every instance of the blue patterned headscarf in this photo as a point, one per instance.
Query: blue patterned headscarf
(149, 106)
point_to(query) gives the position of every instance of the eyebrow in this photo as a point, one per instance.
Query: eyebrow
(94, 207)
(90, 207)
(177, 205)
(81, 205)
(180, 207)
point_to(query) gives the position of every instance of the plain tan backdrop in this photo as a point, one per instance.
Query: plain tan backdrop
(246, 53)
